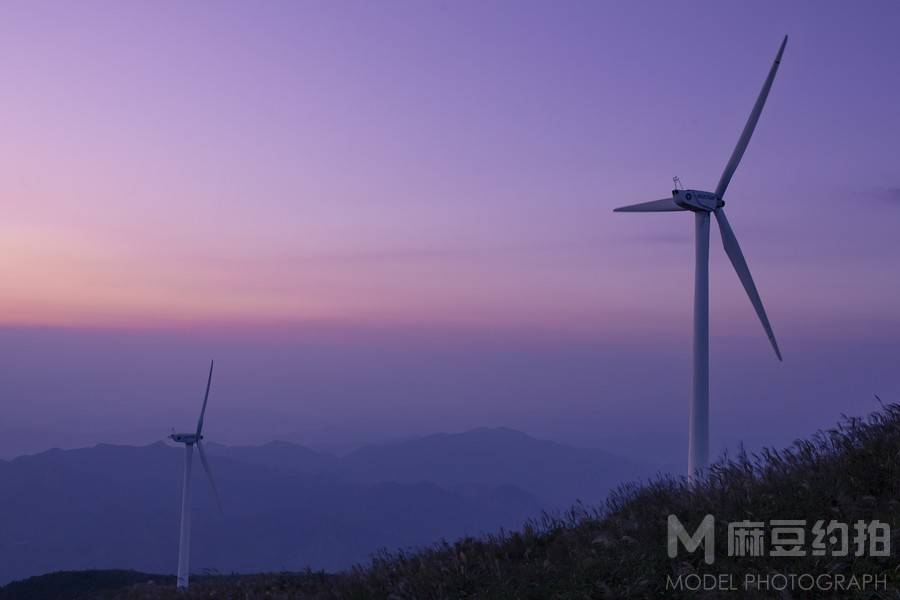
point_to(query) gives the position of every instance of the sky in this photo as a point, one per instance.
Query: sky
(386, 219)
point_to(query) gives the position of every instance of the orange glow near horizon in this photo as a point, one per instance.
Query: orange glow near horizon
(59, 277)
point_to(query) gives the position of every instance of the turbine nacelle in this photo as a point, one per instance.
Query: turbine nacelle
(186, 438)
(697, 200)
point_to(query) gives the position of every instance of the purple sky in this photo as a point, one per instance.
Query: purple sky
(392, 218)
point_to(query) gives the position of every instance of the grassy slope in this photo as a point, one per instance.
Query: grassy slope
(73, 584)
(849, 473)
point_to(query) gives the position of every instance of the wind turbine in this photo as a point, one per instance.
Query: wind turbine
(701, 204)
(190, 440)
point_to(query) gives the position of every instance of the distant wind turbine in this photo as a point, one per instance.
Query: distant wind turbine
(701, 204)
(189, 440)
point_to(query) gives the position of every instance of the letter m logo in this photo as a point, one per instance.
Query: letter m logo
(705, 533)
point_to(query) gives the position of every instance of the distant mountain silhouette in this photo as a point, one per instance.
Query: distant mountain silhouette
(556, 474)
(286, 507)
(278, 455)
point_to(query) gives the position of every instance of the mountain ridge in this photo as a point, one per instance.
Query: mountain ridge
(116, 505)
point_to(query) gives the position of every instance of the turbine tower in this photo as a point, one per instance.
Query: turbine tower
(190, 440)
(702, 204)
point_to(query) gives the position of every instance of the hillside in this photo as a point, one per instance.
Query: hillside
(849, 473)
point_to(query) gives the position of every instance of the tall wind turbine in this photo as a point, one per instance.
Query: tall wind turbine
(701, 204)
(190, 440)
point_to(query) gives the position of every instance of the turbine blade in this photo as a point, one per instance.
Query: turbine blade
(205, 398)
(664, 205)
(733, 250)
(750, 126)
(209, 475)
